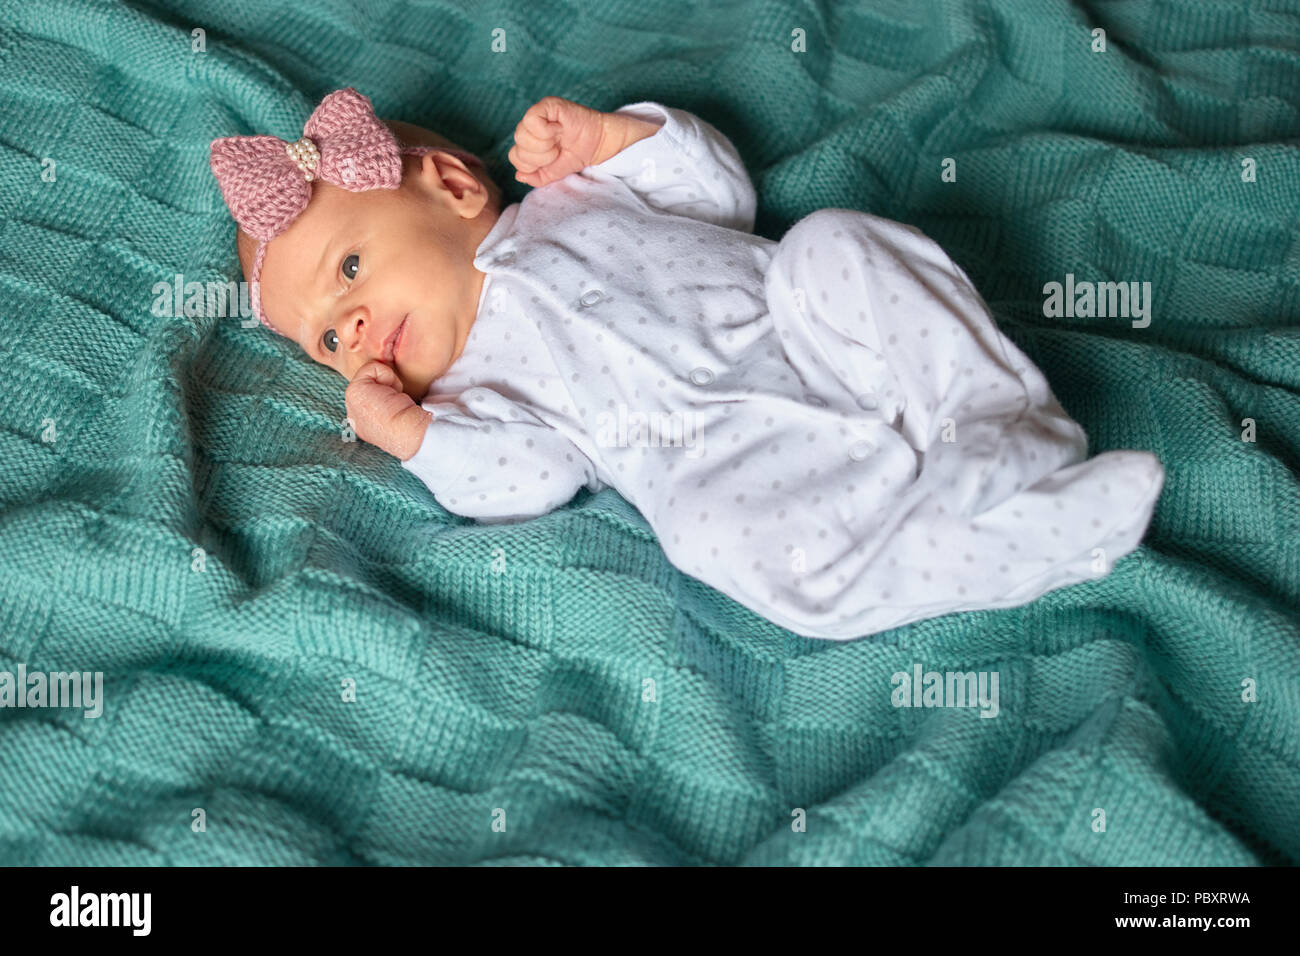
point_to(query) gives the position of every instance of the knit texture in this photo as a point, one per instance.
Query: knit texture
(343, 143)
(559, 676)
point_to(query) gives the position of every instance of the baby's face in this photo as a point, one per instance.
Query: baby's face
(354, 267)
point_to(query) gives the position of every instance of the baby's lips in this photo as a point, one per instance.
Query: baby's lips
(389, 345)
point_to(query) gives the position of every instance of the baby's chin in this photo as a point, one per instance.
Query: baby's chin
(415, 383)
(416, 388)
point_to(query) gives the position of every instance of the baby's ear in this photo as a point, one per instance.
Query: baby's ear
(410, 135)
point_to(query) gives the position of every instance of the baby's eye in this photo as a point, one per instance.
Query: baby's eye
(330, 340)
(350, 266)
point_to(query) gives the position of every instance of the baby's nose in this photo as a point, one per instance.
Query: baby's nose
(356, 327)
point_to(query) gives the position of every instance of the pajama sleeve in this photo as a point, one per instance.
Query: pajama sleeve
(486, 457)
(687, 168)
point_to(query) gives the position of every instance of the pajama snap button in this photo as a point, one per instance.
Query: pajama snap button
(860, 450)
(817, 400)
(591, 297)
(868, 401)
(701, 376)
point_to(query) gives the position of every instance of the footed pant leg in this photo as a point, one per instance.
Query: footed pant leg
(1002, 507)
(910, 341)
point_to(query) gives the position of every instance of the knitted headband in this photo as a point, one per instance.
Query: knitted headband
(266, 181)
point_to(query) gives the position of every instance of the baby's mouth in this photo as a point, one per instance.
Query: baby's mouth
(395, 340)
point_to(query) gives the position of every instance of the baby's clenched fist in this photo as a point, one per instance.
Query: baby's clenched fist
(384, 415)
(556, 137)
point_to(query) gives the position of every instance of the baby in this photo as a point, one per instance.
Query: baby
(829, 429)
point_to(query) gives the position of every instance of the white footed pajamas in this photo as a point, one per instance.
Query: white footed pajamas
(830, 429)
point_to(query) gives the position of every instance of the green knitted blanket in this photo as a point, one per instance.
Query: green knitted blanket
(305, 659)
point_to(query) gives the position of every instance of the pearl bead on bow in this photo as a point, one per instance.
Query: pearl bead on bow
(305, 155)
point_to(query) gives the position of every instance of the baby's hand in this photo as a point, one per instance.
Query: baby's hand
(556, 137)
(384, 415)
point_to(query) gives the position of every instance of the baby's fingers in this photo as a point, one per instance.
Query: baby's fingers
(528, 155)
(376, 371)
(517, 162)
(538, 123)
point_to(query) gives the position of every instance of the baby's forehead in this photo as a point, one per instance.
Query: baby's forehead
(326, 207)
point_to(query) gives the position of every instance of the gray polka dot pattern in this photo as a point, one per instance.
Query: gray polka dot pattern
(829, 429)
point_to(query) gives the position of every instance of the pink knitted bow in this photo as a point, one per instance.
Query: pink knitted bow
(266, 181)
